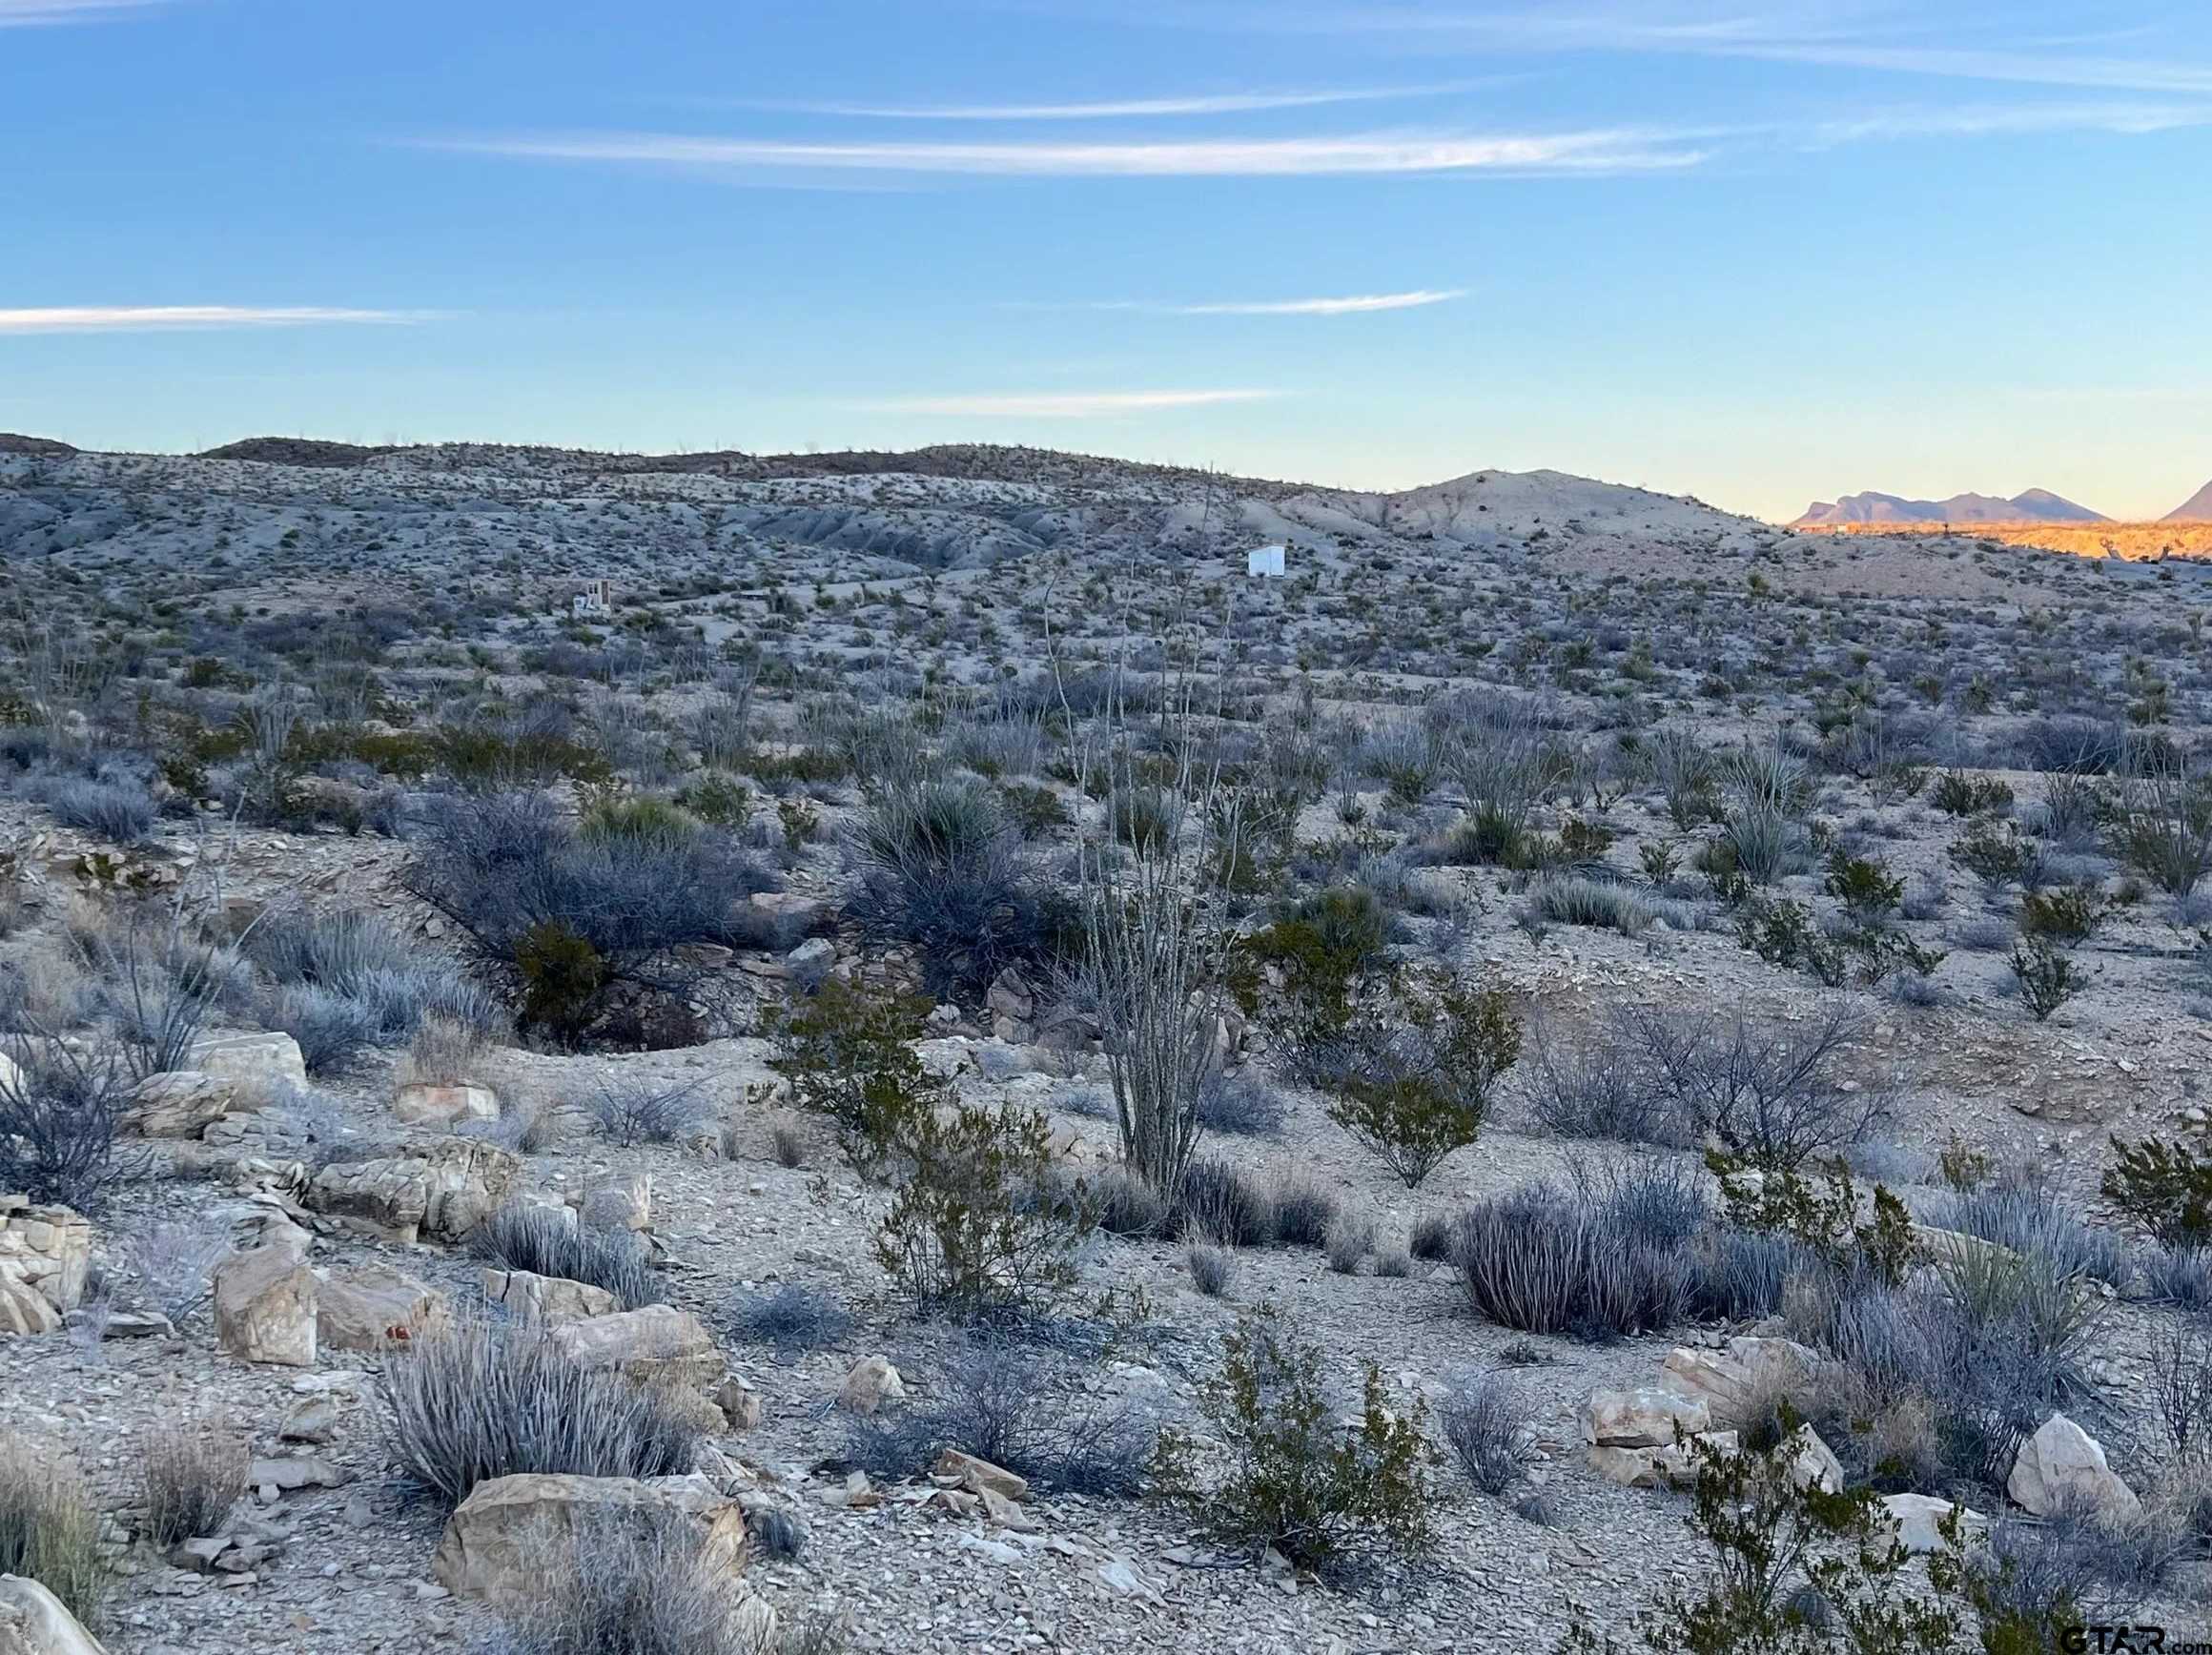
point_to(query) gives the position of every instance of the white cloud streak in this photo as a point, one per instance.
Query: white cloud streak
(38, 14)
(1352, 304)
(1585, 152)
(177, 318)
(1116, 109)
(1059, 404)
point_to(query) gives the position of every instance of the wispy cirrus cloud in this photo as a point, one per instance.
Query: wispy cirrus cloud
(1350, 304)
(1115, 108)
(1845, 36)
(2003, 120)
(174, 317)
(1586, 152)
(1057, 405)
(33, 14)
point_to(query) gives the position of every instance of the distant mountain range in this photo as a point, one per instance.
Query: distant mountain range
(2038, 506)
(2196, 509)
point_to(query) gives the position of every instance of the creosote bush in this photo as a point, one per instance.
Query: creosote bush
(1291, 1478)
(2165, 1186)
(1418, 1070)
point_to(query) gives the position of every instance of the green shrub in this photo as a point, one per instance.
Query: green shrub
(2165, 1186)
(1324, 951)
(1821, 1216)
(2065, 916)
(1767, 1541)
(1997, 854)
(562, 976)
(2047, 977)
(848, 1053)
(1318, 1493)
(1420, 1064)
(1863, 887)
(1955, 793)
(640, 817)
(982, 1222)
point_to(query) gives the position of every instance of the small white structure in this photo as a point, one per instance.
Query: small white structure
(1263, 560)
(595, 603)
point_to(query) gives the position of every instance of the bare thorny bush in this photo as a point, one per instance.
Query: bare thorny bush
(1156, 933)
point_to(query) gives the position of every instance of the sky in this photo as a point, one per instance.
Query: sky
(1758, 251)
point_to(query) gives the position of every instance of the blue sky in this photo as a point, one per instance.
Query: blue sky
(1756, 249)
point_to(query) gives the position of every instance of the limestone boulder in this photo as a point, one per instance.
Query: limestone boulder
(659, 1345)
(254, 1061)
(44, 1249)
(419, 1104)
(437, 1190)
(624, 1203)
(1918, 1518)
(871, 1383)
(182, 1103)
(1736, 1384)
(2062, 1468)
(33, 1622)
(1643, 1419)
(1811, 1462)
(24, 1312)
(1675, 1465)
(265, 1305)
(374, 1307)
(512, 1533)
(545, 1298)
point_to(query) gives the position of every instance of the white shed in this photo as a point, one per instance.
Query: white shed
(1263, 560)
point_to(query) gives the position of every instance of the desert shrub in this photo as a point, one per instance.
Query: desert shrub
(1292, 1480)
(1767, 1542)
(1958, 793)
(1037, 1415)
(50, 1528)
(476, 1399)
(1430, 1240)
(626, 1110)
(1820, 1215)
(117, 807)
(171, 1265)
(941, 867)
(2180, 1393)
(1864, 886)
(1577, 899)
(191, 1475)
(1775, 1094)
(1128, 1206)
(345, 981)
(1303, 1209)
(1404, 756)
(631, 1586)
(2164, 1185)
(2028, 1220)
(981, 1220)
(1325, 947)
(1685, 775)
(2046, 976)
(1212, 1268)
(1420, 1064)
(2036, 1580)
(1347, 1241)
(848, 1053)
(61, 1109)
(797, 1320)
(1541, 1261)
(1598, 1089)
(1999, 855)
(1763, 842)
(2162, 828)
(562, 916)
(1242, 1105)
(1490, 1429)
(1219, 1202)
(2178, 1275)
(2066, 916)
(545, 1241)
